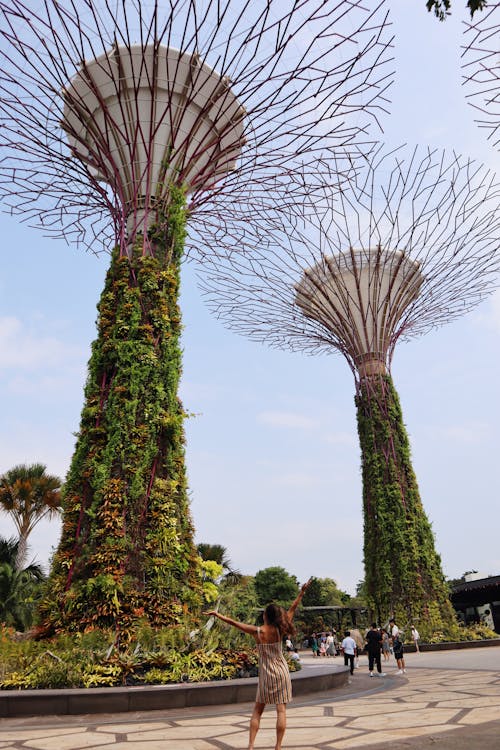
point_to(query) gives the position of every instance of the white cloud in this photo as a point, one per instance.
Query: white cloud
(341, 438)
(298, 480)
(287, 420)
(21, 347)
(469, 434)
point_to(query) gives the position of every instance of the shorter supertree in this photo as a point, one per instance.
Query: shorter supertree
(481, 68)
(396, 251)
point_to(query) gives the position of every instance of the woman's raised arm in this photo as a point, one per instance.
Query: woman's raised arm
(250, 629)
(295, 604)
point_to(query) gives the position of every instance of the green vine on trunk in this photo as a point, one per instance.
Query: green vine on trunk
(402, 568)
(127, 549)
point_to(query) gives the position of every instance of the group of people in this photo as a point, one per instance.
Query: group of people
(323, 644)
(378, 642)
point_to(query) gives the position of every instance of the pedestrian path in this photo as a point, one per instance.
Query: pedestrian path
(446, 700)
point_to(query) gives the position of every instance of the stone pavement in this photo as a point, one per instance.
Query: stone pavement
(447, 700)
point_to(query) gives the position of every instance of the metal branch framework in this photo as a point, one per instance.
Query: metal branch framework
(409, 243)
(481, 68)
(269, 86)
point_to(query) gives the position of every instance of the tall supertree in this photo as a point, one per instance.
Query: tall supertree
(481, 68)
(409, 243)
(123, 126)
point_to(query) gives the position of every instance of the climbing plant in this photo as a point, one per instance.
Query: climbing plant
(127, 550)
(403, 570)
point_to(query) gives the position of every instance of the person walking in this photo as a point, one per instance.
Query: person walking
(397, 645)
(386, 647)
(374, 646)
(416, 636)
(274, 686)
(348, 647)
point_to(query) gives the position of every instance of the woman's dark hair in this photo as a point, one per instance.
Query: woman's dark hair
(276, 615)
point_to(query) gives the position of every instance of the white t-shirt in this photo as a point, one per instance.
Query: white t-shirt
(349, 645)
(394, 631)
(415, 634)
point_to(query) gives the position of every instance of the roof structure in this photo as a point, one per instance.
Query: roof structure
(248, 91)
(406, 244)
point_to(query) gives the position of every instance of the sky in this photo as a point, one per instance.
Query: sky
(272, 452)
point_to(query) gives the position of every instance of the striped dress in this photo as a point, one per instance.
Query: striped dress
(275, 685)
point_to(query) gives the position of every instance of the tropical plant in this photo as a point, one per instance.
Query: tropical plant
(20, 589)
(218, 554)
(28, 494)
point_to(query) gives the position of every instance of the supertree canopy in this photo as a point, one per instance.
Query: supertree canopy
(481, 68)
(151, 130)
(409, 243)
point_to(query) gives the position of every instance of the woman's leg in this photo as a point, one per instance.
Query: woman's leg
(280, 724)
(255, 723)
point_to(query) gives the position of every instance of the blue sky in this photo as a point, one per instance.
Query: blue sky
(272, 451)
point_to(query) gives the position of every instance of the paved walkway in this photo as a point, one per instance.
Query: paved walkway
(447, 700)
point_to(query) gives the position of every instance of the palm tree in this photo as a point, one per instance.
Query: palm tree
(218, 554)
(28, 494)
(19, 589)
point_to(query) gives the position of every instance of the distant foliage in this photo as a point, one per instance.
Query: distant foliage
(20, 588)
(275, 584)
(442, 8)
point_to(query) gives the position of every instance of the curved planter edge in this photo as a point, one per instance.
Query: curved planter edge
(73, 701)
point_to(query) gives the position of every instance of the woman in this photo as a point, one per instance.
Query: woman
(275, 686)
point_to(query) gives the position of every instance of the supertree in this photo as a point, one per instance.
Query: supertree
(123, 126)
(408, 244)
(481, 67)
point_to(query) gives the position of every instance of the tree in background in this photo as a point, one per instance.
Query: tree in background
(275, 584)
(20, 588)
(28, 494)
(323, 592)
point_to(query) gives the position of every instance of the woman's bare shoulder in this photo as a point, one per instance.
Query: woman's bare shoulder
(269, 634)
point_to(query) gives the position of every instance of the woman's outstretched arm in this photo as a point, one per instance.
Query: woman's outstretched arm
(250, 629)
(293, 607)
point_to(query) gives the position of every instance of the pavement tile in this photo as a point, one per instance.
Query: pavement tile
(72, 741)
(214, 721)
(471, 702)
(34, 732)
(181, 733)
(132, 727)
(406, 718)
(385, 707)
(480, 715)
(374, 738)
(163, 745)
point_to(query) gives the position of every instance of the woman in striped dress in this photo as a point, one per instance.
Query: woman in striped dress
(275, 686)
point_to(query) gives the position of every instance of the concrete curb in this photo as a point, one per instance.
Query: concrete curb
(150, 697)
(452, 645)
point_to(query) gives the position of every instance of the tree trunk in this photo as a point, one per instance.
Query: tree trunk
(403, 571)
(127, 550)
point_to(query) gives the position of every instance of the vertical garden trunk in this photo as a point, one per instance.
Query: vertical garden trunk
(127, 550)
(402, 568)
